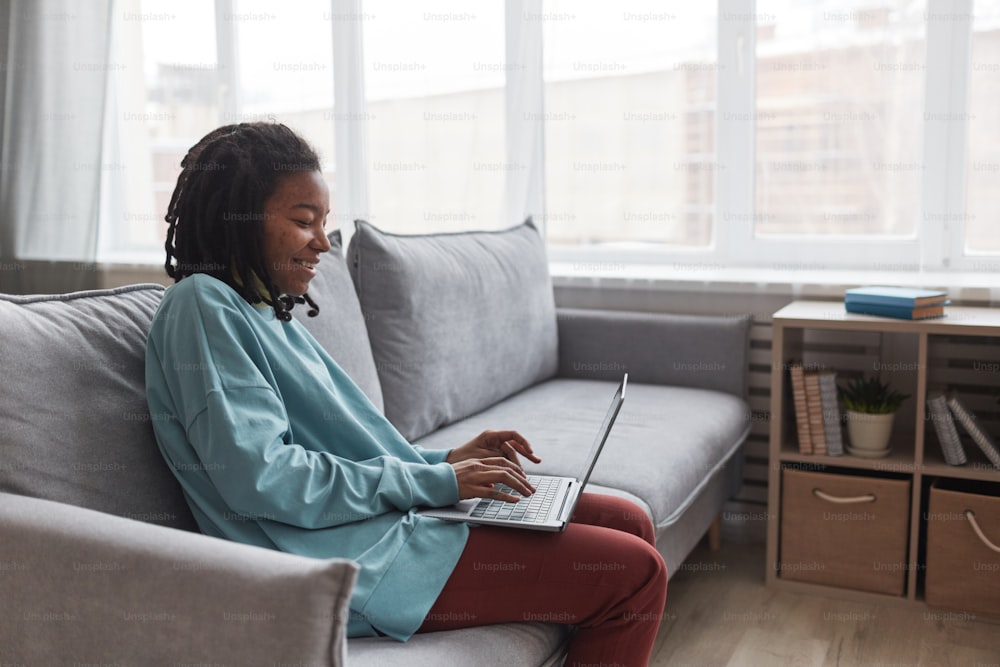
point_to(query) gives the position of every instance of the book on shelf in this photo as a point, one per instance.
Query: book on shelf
(831, 413)
(899, 312)
(814, 408)
(968, 421)
(797, 374)
(818, 420)
(944, 426)
(896, 296)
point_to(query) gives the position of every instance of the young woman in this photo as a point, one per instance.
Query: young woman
(275, 446)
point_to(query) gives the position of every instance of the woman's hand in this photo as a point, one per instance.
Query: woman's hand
(489, 444)
(492, 458)
(477, 479)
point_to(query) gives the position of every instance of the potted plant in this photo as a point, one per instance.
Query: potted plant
(870, 406)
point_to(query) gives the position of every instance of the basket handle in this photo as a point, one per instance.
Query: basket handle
(867, 498)
(971, 516)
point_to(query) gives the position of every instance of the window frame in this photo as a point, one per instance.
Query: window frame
(939, 241)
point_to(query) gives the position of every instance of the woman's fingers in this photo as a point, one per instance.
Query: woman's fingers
(510, 453)
(479, 479)
(516, 442)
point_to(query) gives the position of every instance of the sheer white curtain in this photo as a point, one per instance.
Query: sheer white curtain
(525, 105)
(55, 73)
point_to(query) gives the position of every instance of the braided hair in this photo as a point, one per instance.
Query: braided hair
(216, 213)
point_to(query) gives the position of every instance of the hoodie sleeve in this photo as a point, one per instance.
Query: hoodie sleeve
(259, 475)
(223, 424)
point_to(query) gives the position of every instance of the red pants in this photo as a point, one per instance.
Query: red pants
(602, 574)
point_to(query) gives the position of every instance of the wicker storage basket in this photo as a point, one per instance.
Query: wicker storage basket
(845, 530)
(963, 550)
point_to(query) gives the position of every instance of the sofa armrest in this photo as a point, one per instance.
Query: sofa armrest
(84, 587)
(700, 351)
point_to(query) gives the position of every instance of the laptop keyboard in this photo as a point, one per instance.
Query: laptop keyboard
(531, 509)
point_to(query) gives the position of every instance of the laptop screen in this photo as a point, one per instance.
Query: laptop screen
(602, 433)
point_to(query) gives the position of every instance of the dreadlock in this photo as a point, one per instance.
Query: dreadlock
(216, 213)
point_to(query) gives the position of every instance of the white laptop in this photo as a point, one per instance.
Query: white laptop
(554, 500)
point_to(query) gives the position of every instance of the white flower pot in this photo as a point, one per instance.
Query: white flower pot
(869, 434)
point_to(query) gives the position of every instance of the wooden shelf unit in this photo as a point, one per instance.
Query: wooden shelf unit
(910, 457)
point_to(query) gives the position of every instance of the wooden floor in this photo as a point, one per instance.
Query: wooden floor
(720, 614)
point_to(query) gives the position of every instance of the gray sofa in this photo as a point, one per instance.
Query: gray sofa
(100, 558)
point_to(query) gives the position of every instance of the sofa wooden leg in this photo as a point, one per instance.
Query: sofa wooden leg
(715, 533)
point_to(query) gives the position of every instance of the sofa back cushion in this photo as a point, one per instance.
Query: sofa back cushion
(457, 322)
(74, 423)
(340, 327)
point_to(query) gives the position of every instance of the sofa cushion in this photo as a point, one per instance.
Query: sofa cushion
(656, 426)
(529, 643)
(340, 326)
(73, 413)
(457, 322)
(705, 351)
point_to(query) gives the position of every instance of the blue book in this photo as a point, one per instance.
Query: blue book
(899, 312)
(896, 296)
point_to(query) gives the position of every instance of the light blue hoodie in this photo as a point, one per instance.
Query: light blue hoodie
(275, 446)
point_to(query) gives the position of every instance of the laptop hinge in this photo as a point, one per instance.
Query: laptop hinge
(569, 502)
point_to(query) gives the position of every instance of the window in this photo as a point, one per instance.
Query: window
(982, 233)
(434, 75)
(838, 134)
(629, 122)
(898, 120)
(838, 142)
(165, 98)
(284, 63)
(204, 65)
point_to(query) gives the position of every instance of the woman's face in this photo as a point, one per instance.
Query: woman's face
(294, 230)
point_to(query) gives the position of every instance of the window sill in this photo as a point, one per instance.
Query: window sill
(963, 287)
